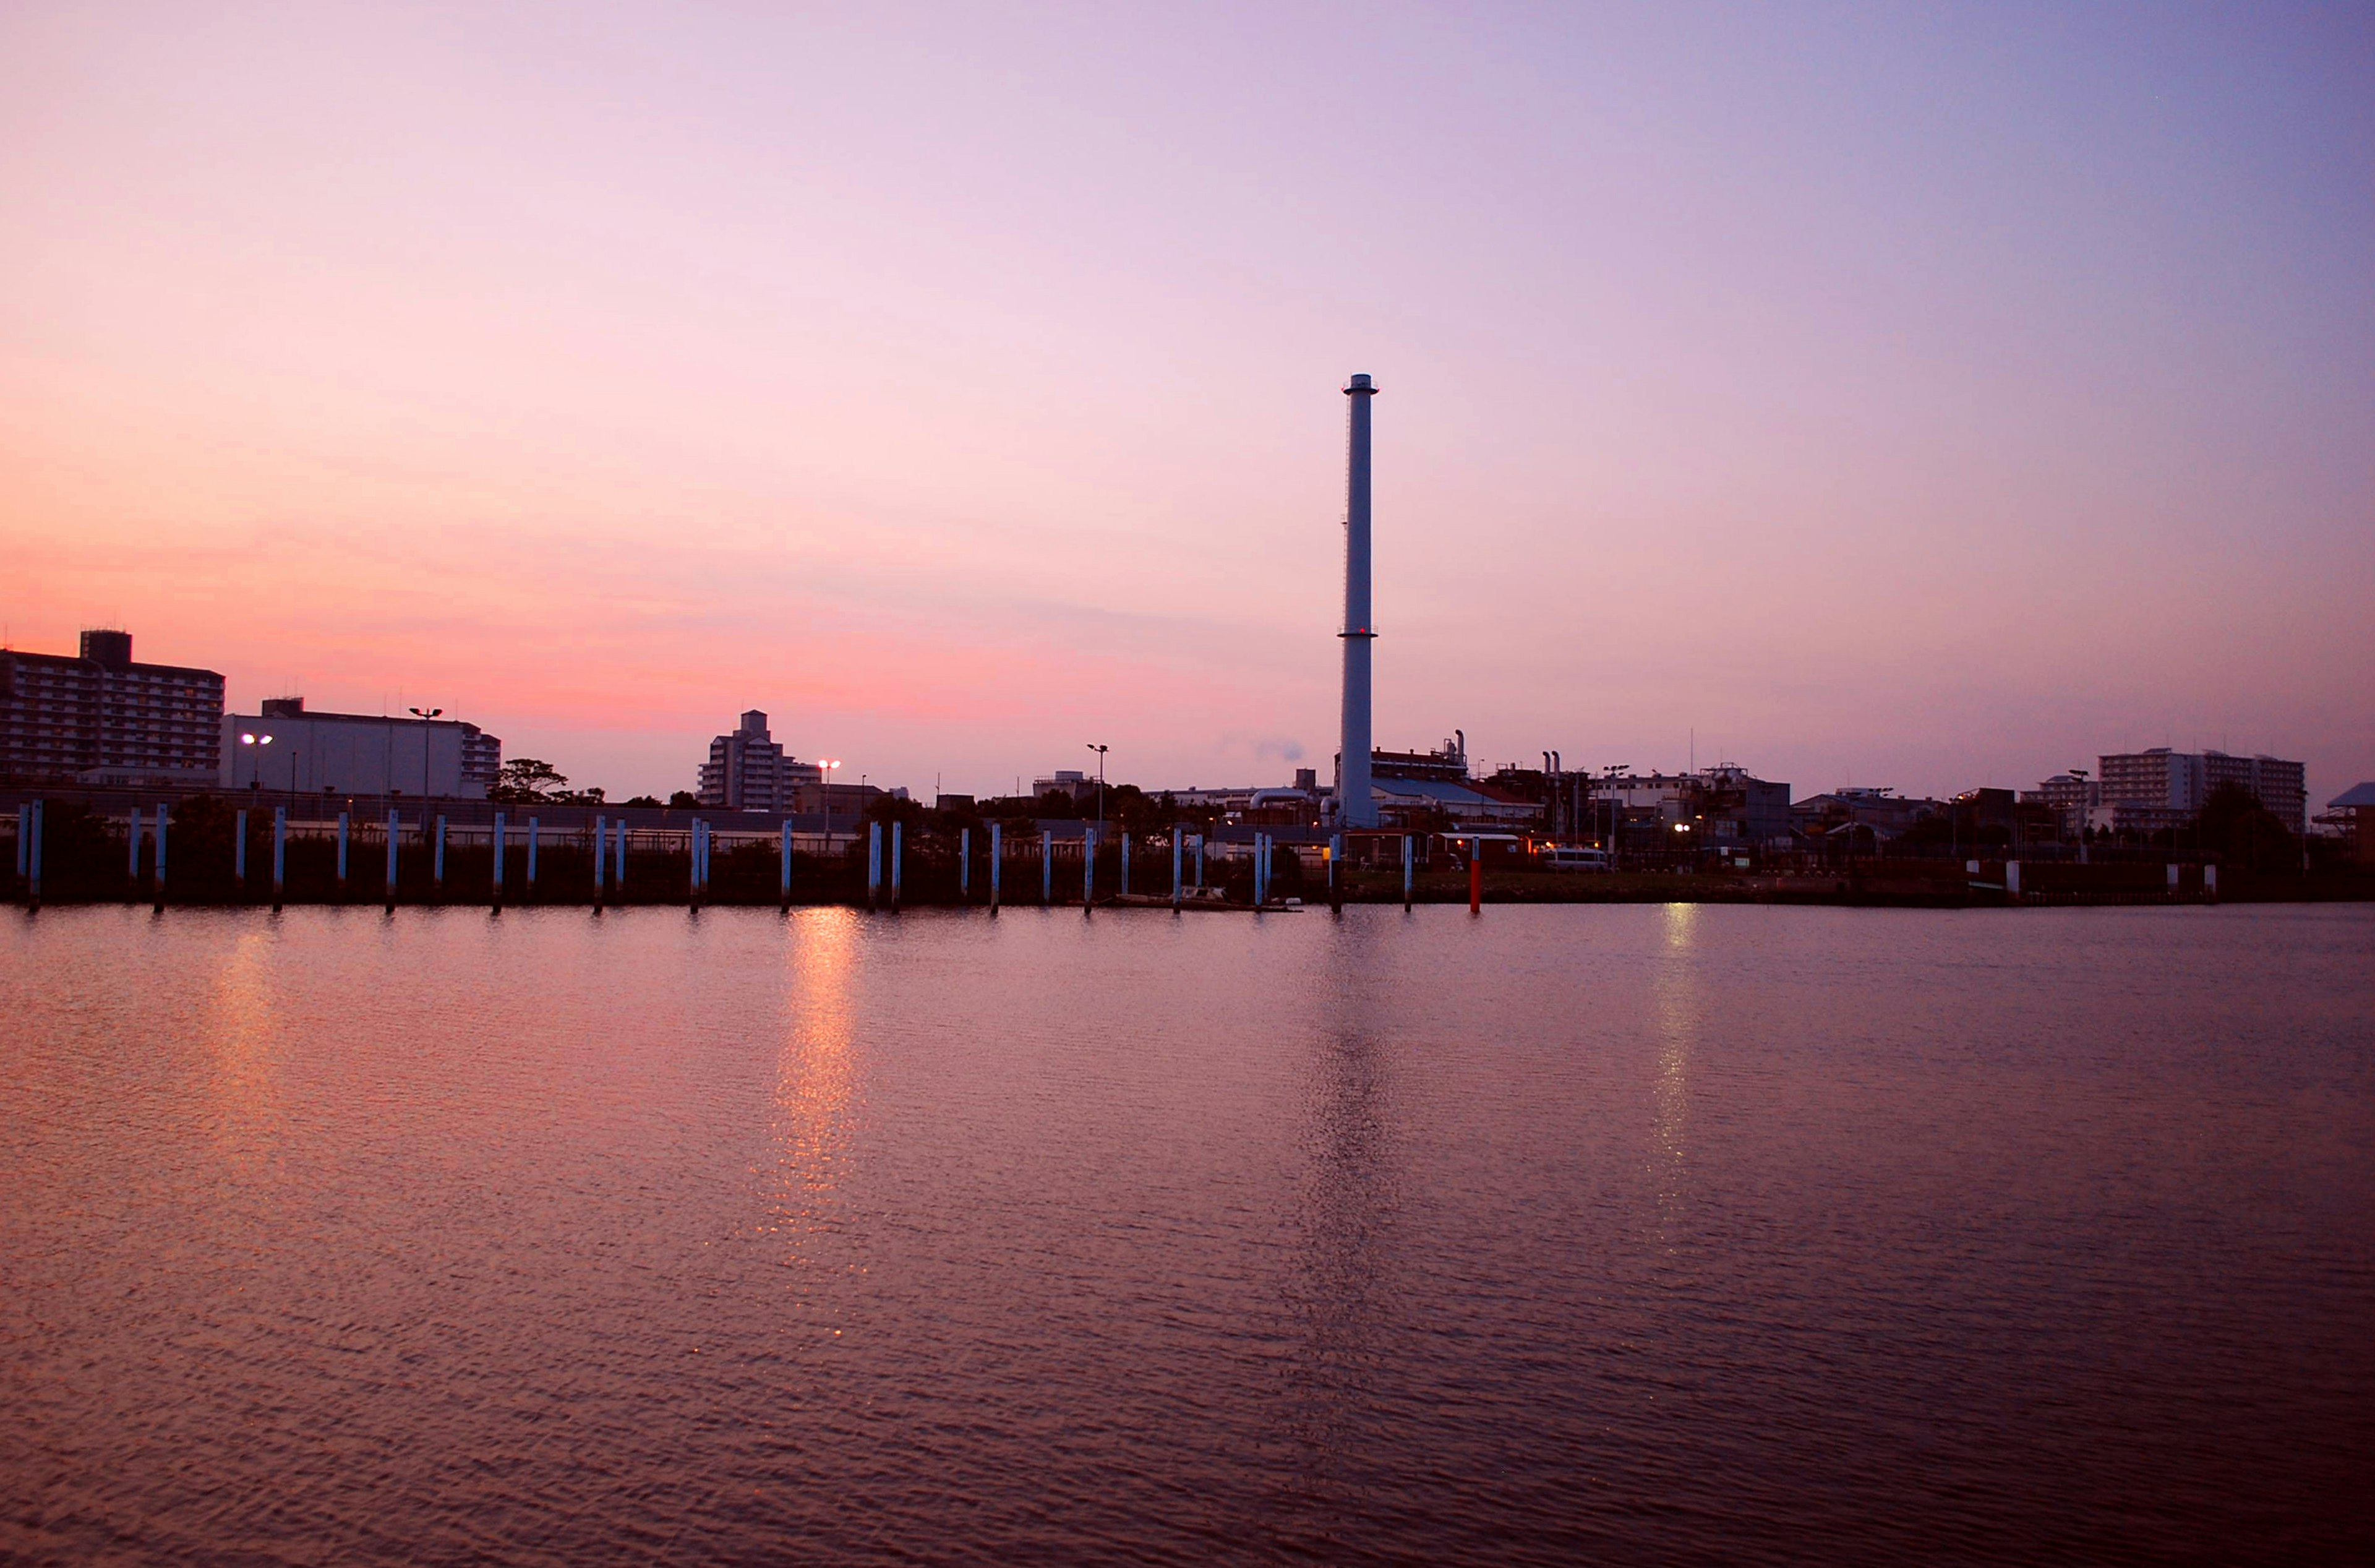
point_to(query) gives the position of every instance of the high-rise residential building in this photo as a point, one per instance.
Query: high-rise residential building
(748, 771)
(102, 719)
(2163, 788)
(287, 746)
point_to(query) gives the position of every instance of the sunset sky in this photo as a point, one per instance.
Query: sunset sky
(1889, 396)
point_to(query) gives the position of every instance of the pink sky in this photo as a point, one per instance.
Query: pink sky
(1922, 399)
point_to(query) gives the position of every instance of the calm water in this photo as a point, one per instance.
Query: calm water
(1630, 1233)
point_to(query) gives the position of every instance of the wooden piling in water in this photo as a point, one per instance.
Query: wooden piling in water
(964, 865)
(392, 828)
(996, 852)
(495, 867)
(163, 813)
(1046, 868)
(1175, 866)
(1407, 846)
(783, 866)
(280, 853)
(342, 855)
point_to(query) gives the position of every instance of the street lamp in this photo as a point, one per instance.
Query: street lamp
(1100, 785)
(424, 715)
(255, 776)
(825, 765)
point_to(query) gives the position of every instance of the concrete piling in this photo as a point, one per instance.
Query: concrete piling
(133, 838)
(1125, 863)
(280, 853)
(1336, 874)
(618, 862)
(24, 834)
(601, 852)
(996, 858)
(873, 865)
(530, 879)
(897, 839)
(495, 867)
(1475, 876)
(1047, 870)
(437, 858)
(163, 814)
(33, 853)
(1089, 868)
(342, 854)
(238, 849)
(783, 866)
(392, 828)
(1407, 846)
(1176, 890)
(965, 864)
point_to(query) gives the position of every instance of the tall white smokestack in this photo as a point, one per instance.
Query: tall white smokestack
(1354, 805)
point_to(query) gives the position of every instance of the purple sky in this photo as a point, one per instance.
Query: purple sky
(1923, 398)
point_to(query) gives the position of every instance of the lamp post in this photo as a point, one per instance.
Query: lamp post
(259, 742)
(425, 715)
(825, 765)
(1615, 771)
(1100, 785)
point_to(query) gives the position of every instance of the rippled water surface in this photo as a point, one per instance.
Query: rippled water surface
(1625, 1234)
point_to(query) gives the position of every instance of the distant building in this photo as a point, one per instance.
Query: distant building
(102, 719)
(2150, 791)
(284, 746)
(1069, 782)
(1723, 806)
(1877, 808)
(2069, 798)
(2356, 807)
(748, 771)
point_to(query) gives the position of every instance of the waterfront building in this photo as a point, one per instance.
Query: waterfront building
(284, 746)
(1724, 807)
(2356, 808)
(749, 770)
(1877, 809)
(1070, 782)
(2071, 799)
(100, 718)
(2160, 788)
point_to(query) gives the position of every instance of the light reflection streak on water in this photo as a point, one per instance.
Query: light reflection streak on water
(248, 1054)
(1675, 1005)
(1348, 1197)
(816, 1084)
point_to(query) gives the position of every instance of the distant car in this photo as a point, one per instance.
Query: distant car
(1557, 858)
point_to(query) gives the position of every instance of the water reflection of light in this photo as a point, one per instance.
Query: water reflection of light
(816, 1082)
(1348, 1198)
(1675, 1010)
(244, 1040)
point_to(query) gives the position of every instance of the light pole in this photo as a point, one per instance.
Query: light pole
(1615, 771)
(825, 765)
(259, 741)
(425, 715)
(1101, 786)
